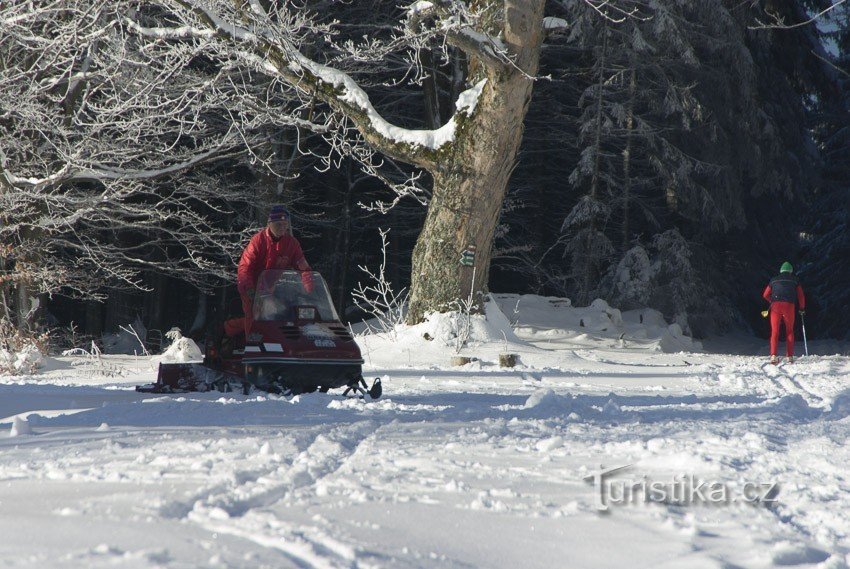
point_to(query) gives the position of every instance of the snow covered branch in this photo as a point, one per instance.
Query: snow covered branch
(455, 24)
(269, 47)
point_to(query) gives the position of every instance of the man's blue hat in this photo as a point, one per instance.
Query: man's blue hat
(278, 212)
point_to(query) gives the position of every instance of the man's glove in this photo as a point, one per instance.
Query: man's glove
(802, 313)
(307, 281)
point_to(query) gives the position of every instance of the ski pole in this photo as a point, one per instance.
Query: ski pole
(803, 324)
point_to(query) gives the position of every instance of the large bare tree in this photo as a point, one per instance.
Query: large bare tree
(469, 158)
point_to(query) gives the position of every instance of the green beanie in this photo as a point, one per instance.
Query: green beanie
(786, 268)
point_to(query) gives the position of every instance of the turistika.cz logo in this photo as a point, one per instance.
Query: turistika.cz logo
(682, 490)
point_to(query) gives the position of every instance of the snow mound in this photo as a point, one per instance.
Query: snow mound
(20, 427)
(546, 404)
(536, 318)
(543, 332)
(647, 317)
(531, 310)
(673, 339)
(182, 349)
(548, 399)
(795, 408)
(444, 333)
(840, 407)
(492, 326)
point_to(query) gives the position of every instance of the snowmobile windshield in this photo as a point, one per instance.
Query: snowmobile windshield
(282, 295)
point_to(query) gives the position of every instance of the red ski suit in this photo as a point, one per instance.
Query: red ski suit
(265, 251)
(783, 312)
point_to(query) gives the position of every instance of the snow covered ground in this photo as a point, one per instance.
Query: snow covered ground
(471, 466)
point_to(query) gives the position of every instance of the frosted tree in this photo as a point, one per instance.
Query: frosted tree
(129, 61)
(674, 132)
(635, 101)
(664, 275)
(100, 140)
(825, 245)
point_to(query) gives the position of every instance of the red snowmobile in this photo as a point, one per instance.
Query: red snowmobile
(296, 344)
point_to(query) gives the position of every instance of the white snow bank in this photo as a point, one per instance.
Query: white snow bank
(493, 326)
(444, 329)
(536, 318)
(182, 349)
(20, 427)
(673, 339)
(545, 404)
(544, 332)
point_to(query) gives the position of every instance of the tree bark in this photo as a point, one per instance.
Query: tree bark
(470, 182)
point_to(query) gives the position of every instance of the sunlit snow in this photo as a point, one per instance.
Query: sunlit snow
(471, 466)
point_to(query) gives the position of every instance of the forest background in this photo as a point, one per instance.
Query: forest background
(674, 154)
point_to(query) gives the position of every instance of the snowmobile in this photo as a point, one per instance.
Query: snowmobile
(296, 344)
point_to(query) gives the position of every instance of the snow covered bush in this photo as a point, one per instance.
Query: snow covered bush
(21, 352)
(676, 287)
(128, 340)
(632, 279)
(587, 247)
(377, 298)
(667, 276)
(182, 349)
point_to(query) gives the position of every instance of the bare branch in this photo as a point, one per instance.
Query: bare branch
(778, 23)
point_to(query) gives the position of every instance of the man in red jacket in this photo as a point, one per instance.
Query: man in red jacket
(782, 292)
(272, 248)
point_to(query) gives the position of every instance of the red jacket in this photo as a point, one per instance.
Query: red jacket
(265, 252)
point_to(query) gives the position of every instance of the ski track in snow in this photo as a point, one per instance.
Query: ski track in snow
(455, 467)
(238, 508)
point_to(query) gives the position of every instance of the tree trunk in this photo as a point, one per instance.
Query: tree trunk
(26, 265)
(199, 324)
(5, 289)
(22, 306)
(590, 273)
(154, 307)
(627, 156)
(94, 319)
(342, 252)
(430, 90)
(470, 183)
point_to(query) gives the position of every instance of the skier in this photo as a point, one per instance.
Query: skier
(782, 292)
(273, 247)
